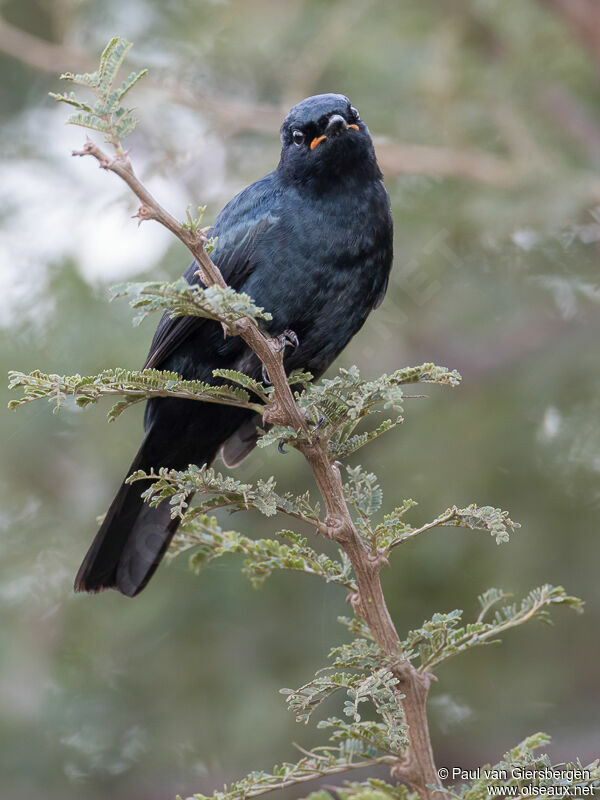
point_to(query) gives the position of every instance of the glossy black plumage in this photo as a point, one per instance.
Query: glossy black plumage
(312, 243)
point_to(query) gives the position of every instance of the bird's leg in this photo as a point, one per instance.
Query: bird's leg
(288, 339)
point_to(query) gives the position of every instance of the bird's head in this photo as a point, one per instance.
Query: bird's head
(324, 140)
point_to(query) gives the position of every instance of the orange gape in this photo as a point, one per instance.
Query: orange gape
(353, 126)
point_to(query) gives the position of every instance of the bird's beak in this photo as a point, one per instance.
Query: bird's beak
(336, 125)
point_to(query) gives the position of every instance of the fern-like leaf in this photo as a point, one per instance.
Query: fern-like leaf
(443, 637)
(131, 385)
(181, 298)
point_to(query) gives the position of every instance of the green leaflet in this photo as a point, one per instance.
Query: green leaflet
(359, 654)
(367, 737)
(494, 520)
(343, 447)
(336, 406)
(443, 636)
(363, 491)
(179, 299)
(365, 677)
(223, 491)
(357, 626)
(111, 59)
(393, 527)
(133, 386)
(106, 115)
(233, 376)
(315, 764)
(206, 540)
(276, 434)
(394, 531)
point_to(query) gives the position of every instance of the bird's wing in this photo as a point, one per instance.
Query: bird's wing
(238, 229)
(170, 333)
(381, 295)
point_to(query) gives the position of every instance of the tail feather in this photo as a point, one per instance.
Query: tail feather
(144, 548)
(131, 541)
(134, 537)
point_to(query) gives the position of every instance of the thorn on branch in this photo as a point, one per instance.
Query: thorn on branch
(336, 529)
(356, 603)
(351, 598)
(378, 560)
(90, 149)
(143, 213)
(406, 770)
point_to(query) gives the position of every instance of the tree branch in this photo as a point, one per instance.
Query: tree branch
(307, 770)
(369, 601)
(443, 519)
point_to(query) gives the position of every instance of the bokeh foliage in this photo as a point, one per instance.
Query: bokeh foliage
(500, 281)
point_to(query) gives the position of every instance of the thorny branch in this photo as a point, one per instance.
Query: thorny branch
(443, 519)
(311, 767)
(418, 768)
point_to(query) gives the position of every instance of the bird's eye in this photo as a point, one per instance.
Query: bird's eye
(354, 113)
(298, 138)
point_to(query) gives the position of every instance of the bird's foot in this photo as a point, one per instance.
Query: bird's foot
(319, 423)
(288, 339)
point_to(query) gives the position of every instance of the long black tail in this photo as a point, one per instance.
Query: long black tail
(132, 539)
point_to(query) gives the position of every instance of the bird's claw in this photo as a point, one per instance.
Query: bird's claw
(265, 376)
(288, 339)
(319, 423)
(281, 447)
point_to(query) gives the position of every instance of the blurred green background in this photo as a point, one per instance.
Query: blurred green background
(486, 119)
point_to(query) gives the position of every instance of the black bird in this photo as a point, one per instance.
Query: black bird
(311, 242)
